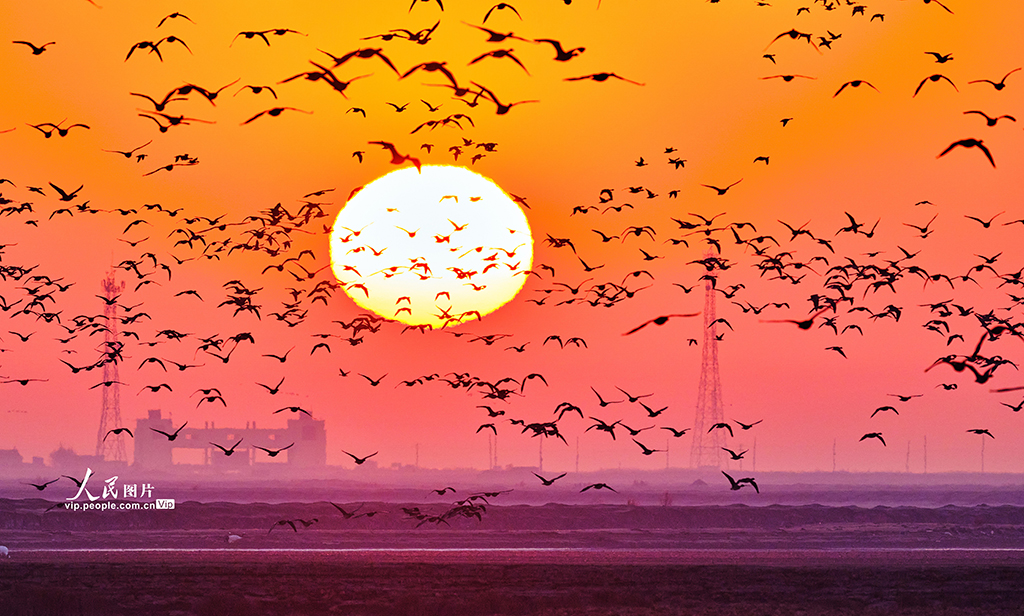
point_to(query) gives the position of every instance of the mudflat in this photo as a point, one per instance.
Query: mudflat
(518, 559)
(458, 583)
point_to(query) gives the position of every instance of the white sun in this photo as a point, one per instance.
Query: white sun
(432, 248)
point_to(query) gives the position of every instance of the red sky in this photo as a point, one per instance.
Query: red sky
(870, 153)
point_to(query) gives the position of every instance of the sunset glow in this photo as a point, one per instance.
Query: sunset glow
(213, 177)
(438, 246)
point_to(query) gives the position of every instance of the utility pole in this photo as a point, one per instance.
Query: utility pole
(926, 454)
(907, 467)
(706, 448)
(540, 461)
(753, 463)
(982, 436)
(417, 455)
(110, 413)
(577, 454)
(833, 455)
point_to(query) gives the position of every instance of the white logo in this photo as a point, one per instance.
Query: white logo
(165, 503)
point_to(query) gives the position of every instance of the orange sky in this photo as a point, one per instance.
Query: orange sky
(866, 152)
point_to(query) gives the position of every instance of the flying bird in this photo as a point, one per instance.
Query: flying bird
(736, 484)
(561, 55)
(396, 158)
(646, 450)
(970, 143)
(548, 482)
(273, 452)
(42, 486)
(276, 111)
(659, 321)
(357, 459)
(877, 435)
(117, 431)
(885, 408)
(35, 50)
(933, 78)
(721, 425)
(722, 191)
(501, 6)
(227, 451)
(173, 435)
(991, 121)
(601, 77)
(998, 85)
(856, 83)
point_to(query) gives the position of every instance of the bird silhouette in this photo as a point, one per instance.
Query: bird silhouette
(357, 459)
(274, 112)
(722, 191)
(396, 158)
(877, 435)
(788, 78)
(991, 121)
(35, 50)
(373, 382)
(856, 83)
(939, 57)
(601, 401)
(733, 455)
(806, 324)
(273, 452)
(548, 482)
(933, 78)
(659, 321)
(173, 435)
(117, 431)
(283, 523)
(601, 77)
(721, 426)
(998, 85)
(227, 450)
(501, 6)
(984, 223)
(273, 390)
(42, 486)
(646, 450)
(561, 55)
(736, 484)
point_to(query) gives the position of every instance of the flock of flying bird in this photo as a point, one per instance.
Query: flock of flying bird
(291, 243)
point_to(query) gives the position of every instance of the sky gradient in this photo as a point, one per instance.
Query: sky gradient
(708, 93)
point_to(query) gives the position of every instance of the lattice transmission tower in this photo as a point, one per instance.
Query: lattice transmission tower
(706, 450)
(112, 447)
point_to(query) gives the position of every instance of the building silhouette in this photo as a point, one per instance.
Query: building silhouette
(154, 451)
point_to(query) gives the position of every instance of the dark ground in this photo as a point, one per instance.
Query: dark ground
(305, 583)
(613, 560)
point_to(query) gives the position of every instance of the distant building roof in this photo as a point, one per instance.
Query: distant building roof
(10, 457)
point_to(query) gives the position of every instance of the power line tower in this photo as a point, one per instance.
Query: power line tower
(706, 450)
(110, 416)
